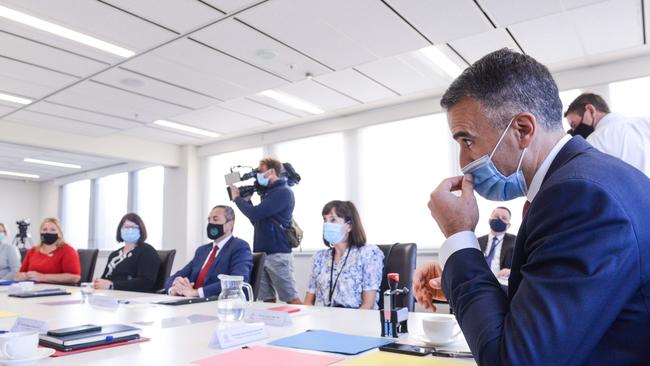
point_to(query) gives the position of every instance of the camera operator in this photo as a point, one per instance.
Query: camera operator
(277, 203)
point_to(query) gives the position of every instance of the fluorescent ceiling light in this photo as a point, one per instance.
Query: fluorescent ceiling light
(441, 60)
(16, 174)
(186, 128)
(14, 99)
(52, 163)
(64, 32)
(291, 101)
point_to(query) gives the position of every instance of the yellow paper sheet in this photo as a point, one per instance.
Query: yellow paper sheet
(396, 359)
(7, 314)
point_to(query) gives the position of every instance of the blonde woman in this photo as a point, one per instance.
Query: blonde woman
(52, 260)
(9, 256)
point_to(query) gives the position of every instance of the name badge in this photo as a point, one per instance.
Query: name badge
(103, 301)
(229, 336)
(27, 324)
(269, 317)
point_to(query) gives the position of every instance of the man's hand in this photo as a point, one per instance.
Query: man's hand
(423, 279)
(453, 213)
(181, 286)
(234, 191)
(503, 273)
(102, 284)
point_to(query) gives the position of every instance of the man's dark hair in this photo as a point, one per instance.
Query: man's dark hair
(505, 83)
(579, 104)
(228, 212)
(505, 208)
(134, 218)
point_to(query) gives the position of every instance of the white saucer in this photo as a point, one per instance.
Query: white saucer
(39, 354)
(423, 338)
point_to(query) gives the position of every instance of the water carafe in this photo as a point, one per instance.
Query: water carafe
(232, 303)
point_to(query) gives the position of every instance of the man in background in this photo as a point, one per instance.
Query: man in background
(498, 245)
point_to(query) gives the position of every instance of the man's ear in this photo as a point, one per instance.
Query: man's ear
(526, 126)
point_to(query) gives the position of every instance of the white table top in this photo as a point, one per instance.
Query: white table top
(177, 345)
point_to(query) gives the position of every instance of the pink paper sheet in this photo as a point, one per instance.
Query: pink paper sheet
(267, 356)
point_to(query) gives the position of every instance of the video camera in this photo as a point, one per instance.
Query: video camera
(23, 240)
(235, 176)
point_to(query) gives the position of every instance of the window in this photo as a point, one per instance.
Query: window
(218, 166)
(400, 164)
(629, 97)
(111, 204)
(320, 161)
(75, 212)
(567, 97)
(149, 202)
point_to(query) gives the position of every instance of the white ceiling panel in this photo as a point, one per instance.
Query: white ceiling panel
(219, 120)
(474, 47)
(352, 83)
(89, 17)
(272, 103)
(125, 79)
(258, 49)
(550, 39)
(406, 73)
(5, 109)
(318, 95)
(82, 115)
(442, 21)
(103, 99)
(230, 5)
(197, 67)
(178, 15)
(157, 134)
(59, 124)
(30, 81)
(39, 54)
(257, 110)
(506, 12)
(338, 33)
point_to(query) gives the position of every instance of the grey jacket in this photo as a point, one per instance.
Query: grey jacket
(9, 262)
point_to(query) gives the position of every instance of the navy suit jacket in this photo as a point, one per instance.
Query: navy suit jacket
(579, 287)
(507, 248)
(234, 259)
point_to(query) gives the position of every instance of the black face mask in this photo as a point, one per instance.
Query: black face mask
(583, 130)
(215, 231)
(49, 239)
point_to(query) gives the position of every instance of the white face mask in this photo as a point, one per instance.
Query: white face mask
(333, 233)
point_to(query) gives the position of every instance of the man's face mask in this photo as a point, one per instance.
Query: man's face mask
(488, 180)
(582, 129)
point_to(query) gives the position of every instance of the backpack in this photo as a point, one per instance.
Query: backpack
(294, 233)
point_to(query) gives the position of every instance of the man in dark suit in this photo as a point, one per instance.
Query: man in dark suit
(579, 288)
(225, 255)
(498, 254)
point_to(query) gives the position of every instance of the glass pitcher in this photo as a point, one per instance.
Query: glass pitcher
(232, 303)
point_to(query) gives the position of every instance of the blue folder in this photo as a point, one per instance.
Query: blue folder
(326, 341)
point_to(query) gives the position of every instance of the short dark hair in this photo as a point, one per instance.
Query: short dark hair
(133, 217)
(505, 208)
(348, 211)
(505, 83)
(228, 212)
(578, 105)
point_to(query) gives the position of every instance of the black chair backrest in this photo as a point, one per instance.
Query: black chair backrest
(166, 263)
(399, 258)
(256, 272)
(23, 253)
(88, 260)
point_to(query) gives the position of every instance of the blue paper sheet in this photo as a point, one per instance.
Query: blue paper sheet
(326, 341)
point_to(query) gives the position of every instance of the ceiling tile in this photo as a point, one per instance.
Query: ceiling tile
(82, 115)
(442, 21)
(257, 110)
(30, 81)
(60, 124)
(474, 47)
(243, 42)
(197, 67)
(354, 84)
(157, 134)
(125, 79)
(230, 5)
(178, 15)
(218, 120)
(338, 33)
(91, 96)
(507, 12)
(321, 96)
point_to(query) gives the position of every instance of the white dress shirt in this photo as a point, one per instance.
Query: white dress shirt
(467, 239)
(495, 264)
(627, 138)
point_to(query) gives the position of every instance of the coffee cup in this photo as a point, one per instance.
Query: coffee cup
(18, 345)
(440, 328)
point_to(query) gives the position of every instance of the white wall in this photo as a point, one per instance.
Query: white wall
(20, 200)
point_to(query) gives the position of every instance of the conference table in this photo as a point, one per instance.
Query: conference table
(178, 335)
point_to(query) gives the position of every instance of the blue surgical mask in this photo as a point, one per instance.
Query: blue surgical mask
(2, 237)
(498, 226)
(488, 180)
(130, 234)
(333, 233)
(263, 181)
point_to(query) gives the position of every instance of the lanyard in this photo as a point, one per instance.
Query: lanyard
(333, 287)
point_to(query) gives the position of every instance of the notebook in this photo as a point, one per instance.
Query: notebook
(326, 341)
(40, 293)
(104, 333)
(189, 300)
